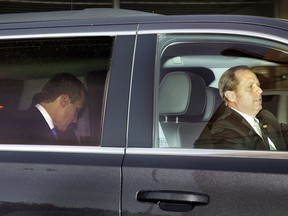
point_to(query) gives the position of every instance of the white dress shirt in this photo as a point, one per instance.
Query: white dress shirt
(46, 115)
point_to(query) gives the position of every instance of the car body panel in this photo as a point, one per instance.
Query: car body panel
(120, 176)
(69, 180)
(235, 185)
(236, 182)
(48, 182)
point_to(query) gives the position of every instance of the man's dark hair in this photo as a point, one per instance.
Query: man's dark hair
(62, 83)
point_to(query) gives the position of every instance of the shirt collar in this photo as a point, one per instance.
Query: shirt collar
(248, 118)
(46, 115)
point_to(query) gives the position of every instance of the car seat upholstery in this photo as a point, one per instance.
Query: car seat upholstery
(175, 91)
(212, 103)
(174, 97)
(192, 122)
(186, 107)
(182, 99)
(190, 133)
(10, 93)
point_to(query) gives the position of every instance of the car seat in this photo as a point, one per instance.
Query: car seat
(182, 101)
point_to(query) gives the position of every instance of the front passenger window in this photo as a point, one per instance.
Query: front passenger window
(189, 70)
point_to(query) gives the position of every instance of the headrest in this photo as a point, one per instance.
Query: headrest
(213, 102)
(197, 101)
(174, 93)
(206, 73)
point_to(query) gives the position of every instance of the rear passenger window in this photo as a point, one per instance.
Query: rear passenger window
(188, 98)
(25, 68)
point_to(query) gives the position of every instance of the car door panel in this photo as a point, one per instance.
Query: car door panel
(72, 180)
(232, 185)
(165, 181)
(67, 183)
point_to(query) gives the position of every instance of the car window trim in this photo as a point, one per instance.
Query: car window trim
(62, 149)
(67, 35)
(235, 32)
(208, 153)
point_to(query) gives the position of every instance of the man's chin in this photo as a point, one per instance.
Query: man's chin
(259, 108)
(62, 129)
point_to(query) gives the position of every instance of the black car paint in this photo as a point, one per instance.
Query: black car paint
(97, 183)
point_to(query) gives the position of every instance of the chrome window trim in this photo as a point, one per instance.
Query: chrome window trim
(130, 88)
(68, 35)
(207, 153)
(62, 149)
(217, 31)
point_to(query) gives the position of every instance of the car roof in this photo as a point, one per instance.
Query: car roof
(104, 16)
(91, 13)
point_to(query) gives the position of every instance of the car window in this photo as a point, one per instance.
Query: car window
(189, 68)
(27, 65)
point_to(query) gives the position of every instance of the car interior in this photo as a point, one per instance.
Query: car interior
(27, 65)
(190, 69)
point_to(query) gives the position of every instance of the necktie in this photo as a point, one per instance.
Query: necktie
(257, 127)
(54, 132)
(261, 133)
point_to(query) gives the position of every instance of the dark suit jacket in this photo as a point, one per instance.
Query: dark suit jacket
(232, 131)
(30, 127)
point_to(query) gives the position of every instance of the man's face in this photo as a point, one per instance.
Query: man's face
(248, 94)
(69, 113)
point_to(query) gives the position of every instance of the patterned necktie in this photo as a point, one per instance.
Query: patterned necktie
(263, 135)
(257, 127)
(54, 132)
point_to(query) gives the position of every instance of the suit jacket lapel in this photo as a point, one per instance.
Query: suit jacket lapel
(44, 134)
(243, 120)
(273, 133)
(254, 137)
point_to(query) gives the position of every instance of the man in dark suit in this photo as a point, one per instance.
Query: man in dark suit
(244, 125)
(56, 109)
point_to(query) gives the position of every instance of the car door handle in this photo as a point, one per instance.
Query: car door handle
(177, 201)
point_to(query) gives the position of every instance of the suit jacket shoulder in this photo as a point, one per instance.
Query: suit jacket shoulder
(232, 131)
(30, 127)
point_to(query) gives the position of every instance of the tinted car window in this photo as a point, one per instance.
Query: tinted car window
(189, 70)
(26, 65)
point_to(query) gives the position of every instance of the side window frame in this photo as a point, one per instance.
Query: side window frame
(50, 40)
(223, 71)
(141, 106)
(115, 119)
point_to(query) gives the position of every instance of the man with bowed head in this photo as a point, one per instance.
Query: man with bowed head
(55, 109)
(244, 125)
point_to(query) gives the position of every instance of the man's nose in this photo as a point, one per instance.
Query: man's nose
(259, 90)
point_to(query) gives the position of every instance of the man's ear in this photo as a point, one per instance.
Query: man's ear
(230, 95)
(64, 100)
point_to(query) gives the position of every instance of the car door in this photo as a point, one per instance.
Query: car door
(82, 179)
(164, 176)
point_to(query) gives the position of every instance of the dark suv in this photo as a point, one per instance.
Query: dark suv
(135, 152)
